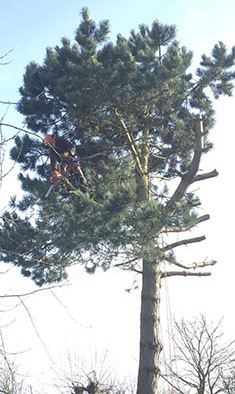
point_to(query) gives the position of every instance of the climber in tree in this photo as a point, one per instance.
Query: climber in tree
(59, 148)
(62, 160)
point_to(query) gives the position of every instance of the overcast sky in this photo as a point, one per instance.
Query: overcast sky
(95, 314)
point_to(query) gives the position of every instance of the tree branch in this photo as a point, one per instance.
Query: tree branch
(207, 175)
(194, 265)
(21, 129)
(183, 242)
(36, 329)
(129, 263)
(172, 385)
(168, 274)
(130, 140)
(187, 178)
(33, 291)
(200, 219)
(8, 102)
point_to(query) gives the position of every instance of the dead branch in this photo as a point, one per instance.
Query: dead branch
(21, 129)
(6, 54)
(8, 102)
(36, 330)
(32, 292)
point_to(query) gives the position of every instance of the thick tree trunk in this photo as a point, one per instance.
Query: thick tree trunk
(150, 344)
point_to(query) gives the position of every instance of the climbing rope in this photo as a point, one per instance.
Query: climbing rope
(171, 351)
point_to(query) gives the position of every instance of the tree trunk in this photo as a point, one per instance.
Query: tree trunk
(150, 344)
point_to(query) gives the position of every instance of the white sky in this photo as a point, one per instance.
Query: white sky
(97, 314)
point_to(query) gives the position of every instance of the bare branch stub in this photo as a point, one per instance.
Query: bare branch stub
(194, 265)
(168, 274)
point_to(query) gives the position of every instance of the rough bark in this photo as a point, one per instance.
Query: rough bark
(150, 344)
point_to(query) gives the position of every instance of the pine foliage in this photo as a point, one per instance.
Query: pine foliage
(129, 106)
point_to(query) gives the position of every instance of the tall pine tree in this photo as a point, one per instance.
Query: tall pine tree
(139, 119)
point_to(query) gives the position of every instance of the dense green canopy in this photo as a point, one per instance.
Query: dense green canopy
(129, 107)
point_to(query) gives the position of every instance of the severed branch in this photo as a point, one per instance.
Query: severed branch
(194, 265)
(183, 242)
(168, 274)
(185, 273)
(202, 218)
(207, 175)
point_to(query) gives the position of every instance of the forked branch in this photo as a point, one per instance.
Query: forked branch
(193, 265)
(130, 141)
(188, 178)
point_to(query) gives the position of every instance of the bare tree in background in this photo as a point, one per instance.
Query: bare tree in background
(10, 380)
(94, 376)
(203, 362)
(229, 381)
(94, 386)
(3, 139)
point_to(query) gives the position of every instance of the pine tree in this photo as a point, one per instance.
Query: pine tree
(139, 119)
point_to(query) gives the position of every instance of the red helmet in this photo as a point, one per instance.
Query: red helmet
(54, 176)
(49, 140)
